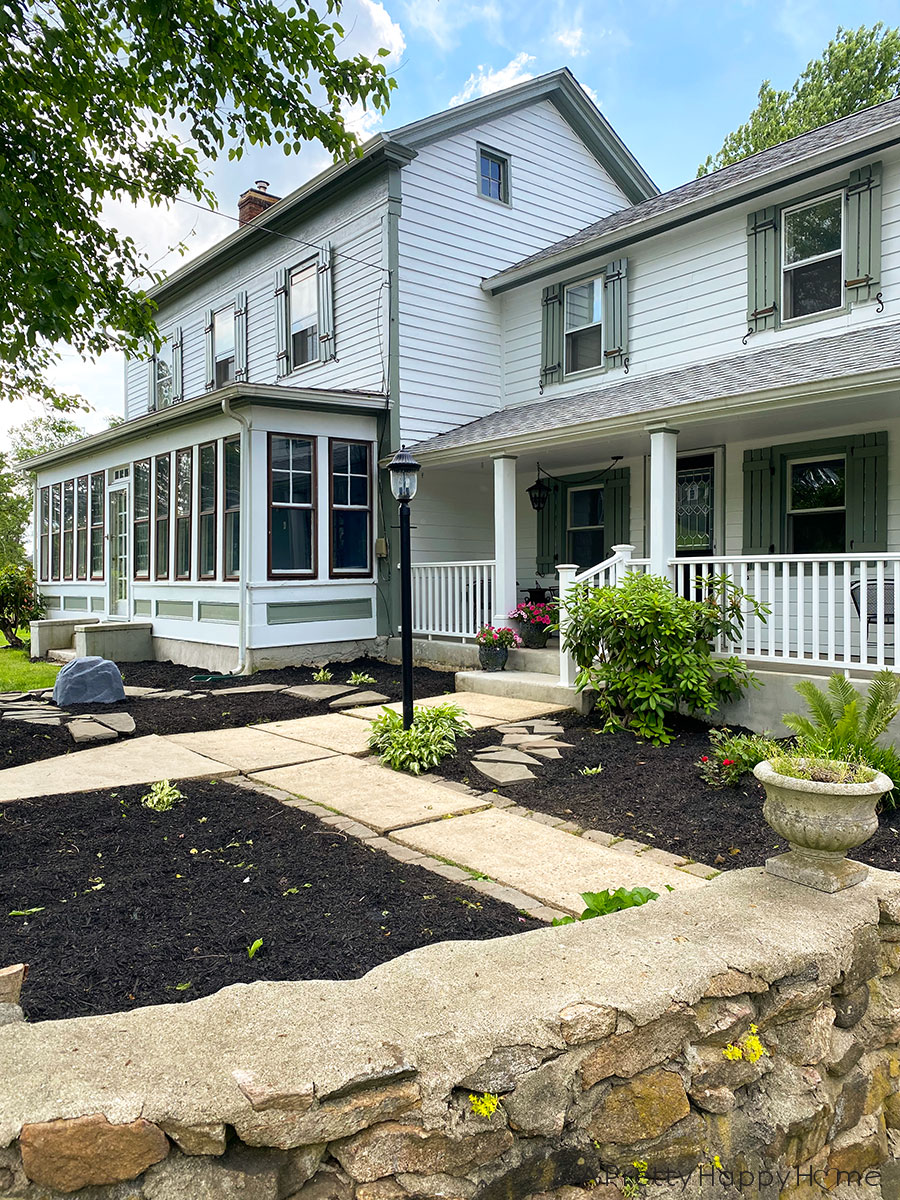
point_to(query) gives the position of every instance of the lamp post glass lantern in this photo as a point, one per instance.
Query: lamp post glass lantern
(404, 482)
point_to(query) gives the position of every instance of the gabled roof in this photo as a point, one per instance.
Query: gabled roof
(399, 146)
(844, 357)
(871, 129)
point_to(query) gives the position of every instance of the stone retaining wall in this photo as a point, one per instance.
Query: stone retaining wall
(751, 1026)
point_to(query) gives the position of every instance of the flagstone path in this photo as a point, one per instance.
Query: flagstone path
(538, 863)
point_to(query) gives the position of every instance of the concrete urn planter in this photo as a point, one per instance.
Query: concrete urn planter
(821, 821)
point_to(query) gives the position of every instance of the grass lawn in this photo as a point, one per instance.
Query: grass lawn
(19, 674)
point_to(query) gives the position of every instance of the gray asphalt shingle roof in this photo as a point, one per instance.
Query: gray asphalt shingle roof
(780, 157)
(858, 352)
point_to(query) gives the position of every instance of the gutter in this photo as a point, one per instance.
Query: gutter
(244, 530)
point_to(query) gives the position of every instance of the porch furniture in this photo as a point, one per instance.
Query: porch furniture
(873, 589)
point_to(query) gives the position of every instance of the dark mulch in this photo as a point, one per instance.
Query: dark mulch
(139, 907)
(22, 743)
(655, 795)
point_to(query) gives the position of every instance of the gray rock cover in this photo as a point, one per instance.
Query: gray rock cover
(90, 680)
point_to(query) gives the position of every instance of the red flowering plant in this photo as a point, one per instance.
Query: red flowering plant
(732, 755)
(530, 613)
(490, 635)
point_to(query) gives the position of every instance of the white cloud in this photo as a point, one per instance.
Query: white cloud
(483, 81)
(443, 20)
(590, 91)
(571, 40)
(373, 29)
(804, 23)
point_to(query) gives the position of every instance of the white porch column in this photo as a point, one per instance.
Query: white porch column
(663, 451)
(505, 596)
(567, 668)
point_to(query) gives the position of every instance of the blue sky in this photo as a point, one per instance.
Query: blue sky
(673, 79)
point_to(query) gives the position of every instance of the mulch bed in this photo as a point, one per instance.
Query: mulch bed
(654, 794)
(23, 743)
(139, 907)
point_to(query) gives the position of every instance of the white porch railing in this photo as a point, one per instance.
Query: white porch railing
(606, 574)
(452, 599)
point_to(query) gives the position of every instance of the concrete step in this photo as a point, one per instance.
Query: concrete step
(524, 685)
(61, 656)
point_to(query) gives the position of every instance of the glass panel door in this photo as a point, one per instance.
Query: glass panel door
(118, 552)
(694, 507)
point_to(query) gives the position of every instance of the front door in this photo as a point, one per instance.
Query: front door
(118, 552)
(694, 506)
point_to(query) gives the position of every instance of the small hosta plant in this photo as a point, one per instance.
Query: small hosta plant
(732, 755)
(163, 795)
(599, 904)
(323, 675)
(431, 737)
(490, 635)
(359, 678)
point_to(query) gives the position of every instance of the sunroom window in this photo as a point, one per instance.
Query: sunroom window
(813, 259)
(584, 327)
(223, 345)
(304, 315)
(350, 508)
(292, 505)
(817, 505)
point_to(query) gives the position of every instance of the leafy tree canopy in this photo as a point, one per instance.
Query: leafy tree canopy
(125, 99)
(15, 510)
(858, 68)
(40, 435)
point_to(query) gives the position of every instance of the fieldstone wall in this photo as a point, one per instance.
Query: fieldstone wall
(744, 1035)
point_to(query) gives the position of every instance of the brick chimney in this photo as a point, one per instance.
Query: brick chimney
(254, 202)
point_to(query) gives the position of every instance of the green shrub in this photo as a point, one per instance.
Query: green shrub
(599, 904)
(431, 737)
(646, 650)
(732, 755)
(20, 602)
(844, 726)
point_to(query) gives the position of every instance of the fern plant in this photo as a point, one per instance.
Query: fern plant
(845, 726)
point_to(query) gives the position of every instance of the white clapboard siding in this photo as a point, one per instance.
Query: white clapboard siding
(451, 238)
(137, 386)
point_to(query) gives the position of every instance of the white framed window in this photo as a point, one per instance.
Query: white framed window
(164, 374)
(493, 175)
(223, 345)
(583, 310)
(292, 505)
(585, 525)
(812, 257)
(816, 506)
(304, 314)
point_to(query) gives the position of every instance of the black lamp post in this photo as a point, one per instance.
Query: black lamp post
(404, 481)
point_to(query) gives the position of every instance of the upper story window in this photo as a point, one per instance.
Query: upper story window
(223, 345)
(304, 315)
(493, 175)
(164, 377)
(583, 303)
(813, 258)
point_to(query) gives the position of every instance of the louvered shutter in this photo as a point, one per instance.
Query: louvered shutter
(762, 269)
(616, 509)
(327, 350)
(862, 260)
(177, 365)
(282, 320)
(758, 524)
(867, 494)
(549, 532)
(551, 334)
(615, 313)
(240, 336)
(210, 350)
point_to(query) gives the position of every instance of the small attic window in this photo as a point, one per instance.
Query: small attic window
(493, 175)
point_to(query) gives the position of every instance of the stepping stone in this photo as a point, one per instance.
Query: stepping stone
(120, 764)
(334, 731)
(6, 696)
(91, 731)
(540, 742)
(361, 698)
(319, 691)
(250, 748)
(503, 772)
(175, 694)
(120, 722)
(139, 691)
(501, 754)
(545, 752)
(546, 727)
(248, 687)
(40, 720)
(493, 710)
(198, 696)
(374, 795)
(521, 729)
(547, 863)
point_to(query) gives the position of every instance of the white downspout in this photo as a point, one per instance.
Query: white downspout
(244, 525)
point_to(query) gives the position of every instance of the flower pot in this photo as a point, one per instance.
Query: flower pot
(821, 821)
(492, 658)
(534, 637)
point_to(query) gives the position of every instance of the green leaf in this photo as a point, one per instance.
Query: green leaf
(254, 948)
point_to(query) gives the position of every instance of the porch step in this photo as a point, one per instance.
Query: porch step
(462, 656)
(524, 685)
(63, 656)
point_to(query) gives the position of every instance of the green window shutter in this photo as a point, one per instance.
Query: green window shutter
(551, 334)
(616, 509)
(759, 471)
(615, 312)
(240, 336)
(867, 494)
(208, 345)
(549, 526)
(326, 304)
(177, 365)
(762, 269)
(862, 261)
(282, 320)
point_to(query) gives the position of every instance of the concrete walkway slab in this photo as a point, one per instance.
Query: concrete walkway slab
(492, 710)
(319, 691)
(139, 760)
(377, 796)
(250, 748)
(553, 866)
(334, 731)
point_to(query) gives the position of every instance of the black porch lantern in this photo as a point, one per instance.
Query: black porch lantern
(539, 492)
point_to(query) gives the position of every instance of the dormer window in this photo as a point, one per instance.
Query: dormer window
(584, 325)
(812, 258)
(223, 345)
(493, 175)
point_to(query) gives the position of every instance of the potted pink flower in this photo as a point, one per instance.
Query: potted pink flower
(535, 622)
(494, 646)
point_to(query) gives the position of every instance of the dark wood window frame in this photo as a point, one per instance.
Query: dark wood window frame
(97, 529)
(313, 507)
(161, 517)
(44, 534)
(82, 504)
(179, 517)
(203, 514)
(138, 467)
(233, 510)
(68, 529)
(334, 573)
